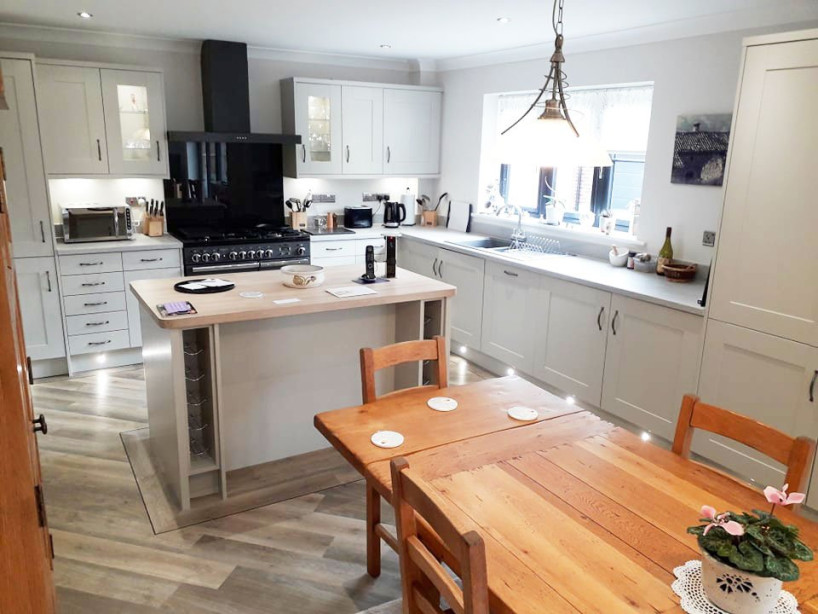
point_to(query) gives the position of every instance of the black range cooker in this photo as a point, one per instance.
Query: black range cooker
(208, 251)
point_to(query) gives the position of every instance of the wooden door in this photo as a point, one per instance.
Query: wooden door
(26, 187)
(765, 269)
(510, 313)
(651, 362)
(318, 121)
(26, 583)
(69, 99)
(467, 274)
(134, 106)
(42, 317)
(411, 127)
(570, 338)
(767, 378)
(362, 120)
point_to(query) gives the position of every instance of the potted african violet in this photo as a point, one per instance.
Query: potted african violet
(747, 557)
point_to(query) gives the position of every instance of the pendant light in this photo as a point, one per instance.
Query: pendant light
(552, 140)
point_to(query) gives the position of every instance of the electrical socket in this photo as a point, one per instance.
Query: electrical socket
(374, 197)
(133, 201)
(323, 198)
(709, 238)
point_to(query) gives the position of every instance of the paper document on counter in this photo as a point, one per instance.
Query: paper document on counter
(350, 291)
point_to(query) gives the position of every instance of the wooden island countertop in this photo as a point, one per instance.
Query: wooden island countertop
(230, 306)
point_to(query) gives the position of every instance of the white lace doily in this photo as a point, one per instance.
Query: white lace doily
(688, 586)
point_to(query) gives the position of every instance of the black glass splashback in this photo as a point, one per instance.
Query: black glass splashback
(224, 185)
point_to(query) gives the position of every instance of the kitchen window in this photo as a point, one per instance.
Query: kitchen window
(617, 117)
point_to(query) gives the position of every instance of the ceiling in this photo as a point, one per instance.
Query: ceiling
(416, 29)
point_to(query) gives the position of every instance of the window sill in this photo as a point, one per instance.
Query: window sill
(591, 236)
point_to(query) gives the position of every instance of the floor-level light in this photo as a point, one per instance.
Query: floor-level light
(463, 349)
(510, 371)
(570, 400)
(645, 436)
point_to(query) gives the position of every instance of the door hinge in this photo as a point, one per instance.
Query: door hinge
(38, 495)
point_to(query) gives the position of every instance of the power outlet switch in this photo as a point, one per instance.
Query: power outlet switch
(709, 238)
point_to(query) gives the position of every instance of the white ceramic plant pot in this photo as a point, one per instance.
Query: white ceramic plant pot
(737, 591)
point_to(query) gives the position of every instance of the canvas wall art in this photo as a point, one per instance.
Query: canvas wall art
(700, 153)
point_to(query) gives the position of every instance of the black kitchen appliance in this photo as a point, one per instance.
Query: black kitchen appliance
(393, 214)
(358, 217)
(391, 256)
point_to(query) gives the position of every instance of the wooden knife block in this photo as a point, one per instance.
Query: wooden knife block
(153, 225)
(429, 218)
(298, 220)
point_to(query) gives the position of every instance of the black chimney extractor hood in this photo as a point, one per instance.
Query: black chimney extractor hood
(226, 98)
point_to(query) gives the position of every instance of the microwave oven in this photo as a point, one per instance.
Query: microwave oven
(358, 217)
(81, 224)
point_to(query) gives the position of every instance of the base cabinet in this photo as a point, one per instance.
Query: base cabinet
(761, 376)
(466, 273)
(570, 336)
(40, 301)
(651, 362)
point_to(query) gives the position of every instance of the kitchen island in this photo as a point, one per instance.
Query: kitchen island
(237, 384)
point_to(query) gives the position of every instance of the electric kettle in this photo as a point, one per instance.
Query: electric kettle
(393, 214)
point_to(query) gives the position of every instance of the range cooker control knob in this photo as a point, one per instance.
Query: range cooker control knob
(205, 257)
(216, 257)
(242, 255)
(268, 253)
(260, 254)
(196, 257)
(233, 255)
(301, 250)
(251, 254)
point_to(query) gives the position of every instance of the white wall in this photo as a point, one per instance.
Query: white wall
(693, 75)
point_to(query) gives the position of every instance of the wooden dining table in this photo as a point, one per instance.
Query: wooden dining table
(577, 515)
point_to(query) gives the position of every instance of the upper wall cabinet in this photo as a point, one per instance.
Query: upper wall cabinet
(25, 176)
(411, 132)
(360, 129)
(99, 121)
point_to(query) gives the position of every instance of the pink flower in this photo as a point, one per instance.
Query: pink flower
(780, 497)
(722, 520)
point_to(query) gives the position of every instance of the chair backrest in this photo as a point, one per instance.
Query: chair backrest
(794, 452)
(422, 575)
(373, 360)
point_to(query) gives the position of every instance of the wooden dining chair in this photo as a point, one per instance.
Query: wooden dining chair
(423, 578)
(794, 452)
(373, 360)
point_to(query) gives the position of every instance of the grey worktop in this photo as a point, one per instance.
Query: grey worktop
(591, 272)
(139, 242)
(357, 233)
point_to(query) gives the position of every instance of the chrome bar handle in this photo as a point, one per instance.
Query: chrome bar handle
(99, 150)
(158, 152)
(347, 154)
(434, 267)
(388, 154)
(812, 387)
(599, 317)
(613, 321)
(48, 279)
(42, 231)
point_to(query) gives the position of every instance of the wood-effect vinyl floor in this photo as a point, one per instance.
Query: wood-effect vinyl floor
(301, 556)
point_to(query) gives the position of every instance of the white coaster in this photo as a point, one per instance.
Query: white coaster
(519, 412)
(442, 403)
(251, 294)
(387, 439)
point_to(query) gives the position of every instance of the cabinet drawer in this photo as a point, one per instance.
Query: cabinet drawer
(334, 261)
(92, 284)
(94, 303)
(332, 249)
(97, 322)
(90, 263)
(379, 244)
(99, 342)
(152, 259)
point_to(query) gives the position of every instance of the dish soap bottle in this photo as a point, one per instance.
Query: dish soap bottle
(665, 254)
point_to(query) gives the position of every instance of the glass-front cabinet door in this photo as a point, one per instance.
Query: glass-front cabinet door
(318, 121)
(134, 122)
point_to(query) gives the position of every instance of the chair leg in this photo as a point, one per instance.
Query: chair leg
(373, 542)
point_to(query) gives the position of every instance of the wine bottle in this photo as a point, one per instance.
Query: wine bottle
(665, 254)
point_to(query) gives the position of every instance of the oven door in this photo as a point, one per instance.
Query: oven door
(268, 265)
(96, 224)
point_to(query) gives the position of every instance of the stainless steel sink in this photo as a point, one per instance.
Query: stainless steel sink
(485, 243)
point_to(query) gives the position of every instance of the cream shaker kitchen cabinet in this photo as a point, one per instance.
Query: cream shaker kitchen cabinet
(570, 333)
(73, 122)
(133, 102)
(466, 273)
(132, 304)
(362, 130)
(26, 185)
(417, 257)
(765, 274)
(761, 376)
(312, 110)
(40, 307)
(411, 132)
(651, 362)
(510, 313)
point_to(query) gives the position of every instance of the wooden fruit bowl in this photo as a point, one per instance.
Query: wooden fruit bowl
(680, 273)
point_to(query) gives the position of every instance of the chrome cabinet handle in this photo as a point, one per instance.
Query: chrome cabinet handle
(97, 304)
(48, 279)
(99, 150)
(812, 387)
(93, 284)
(613, 321)
(511, 273)
(333, 249)
(42, 231)
(98, 323)
(599, 317)
(440, 269)
(150, 260)
(99, 342)
(347, 154)
(388, 154)
(303, 153)
(91, 263)
(434, 267)
(158, 152)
